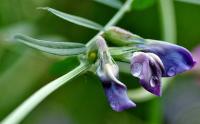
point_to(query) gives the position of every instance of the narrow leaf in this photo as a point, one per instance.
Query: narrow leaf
(190, 1)
(57, 48)
(74, 19)
(112, 3)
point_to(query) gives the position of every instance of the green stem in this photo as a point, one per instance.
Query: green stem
(155, 108)
(169, 34)
(113, 21)
(25, 108)
(168, 20)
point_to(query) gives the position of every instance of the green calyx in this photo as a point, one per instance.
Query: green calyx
(121, 37)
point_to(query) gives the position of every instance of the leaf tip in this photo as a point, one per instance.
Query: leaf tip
(17, 36)
(43, 8)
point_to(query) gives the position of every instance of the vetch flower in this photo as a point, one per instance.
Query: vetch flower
(148, 68)
(176, 59)
(159, 59)
(108, 74)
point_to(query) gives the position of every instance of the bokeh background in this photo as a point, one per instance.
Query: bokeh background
(23, 70)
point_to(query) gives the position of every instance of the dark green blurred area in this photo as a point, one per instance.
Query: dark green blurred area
(81, 101)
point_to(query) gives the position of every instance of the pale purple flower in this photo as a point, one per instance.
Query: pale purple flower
(108, 71)
(159, 59)
(176, 59)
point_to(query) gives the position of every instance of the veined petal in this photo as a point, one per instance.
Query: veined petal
(147, 67)
(115, 92)
(176, 59)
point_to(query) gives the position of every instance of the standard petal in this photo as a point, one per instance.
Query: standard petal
(148, 70)
(176, 59)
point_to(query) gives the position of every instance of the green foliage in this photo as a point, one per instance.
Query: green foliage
(74, 19)
(142, 4)
(112, 3)
(197, 2)
(7, 34)
(137, 4)
(57, 48)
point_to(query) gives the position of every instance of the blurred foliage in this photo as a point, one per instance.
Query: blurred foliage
(143, 4)
(112, 3)
(24, 70)
(190, 1)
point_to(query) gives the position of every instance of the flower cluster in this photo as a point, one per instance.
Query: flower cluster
(150, 61)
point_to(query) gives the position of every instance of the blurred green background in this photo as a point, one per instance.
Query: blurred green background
(24, 70)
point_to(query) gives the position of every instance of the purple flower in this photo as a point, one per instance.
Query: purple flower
(176, 59)
(148, 68)
(108, 74)
(159, 59)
